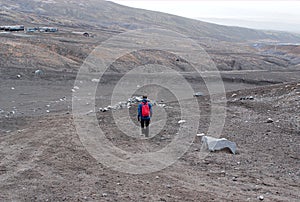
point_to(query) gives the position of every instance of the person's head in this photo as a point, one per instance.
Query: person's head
(145, 98)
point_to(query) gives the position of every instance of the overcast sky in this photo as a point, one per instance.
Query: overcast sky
(270, 14)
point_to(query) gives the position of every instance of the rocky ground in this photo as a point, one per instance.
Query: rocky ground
(43, 159)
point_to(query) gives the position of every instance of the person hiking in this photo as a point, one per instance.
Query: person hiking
(144, 115)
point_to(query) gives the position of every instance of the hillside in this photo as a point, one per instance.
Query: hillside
(103, 14)
(231, 48)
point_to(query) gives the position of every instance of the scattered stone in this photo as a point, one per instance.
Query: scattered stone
(63, 99)
(38, 72)
(215, 144)
(181, 121)
(48, 106)
(233, 95)
(169, 186)
(156, 177)
(198, 94)
(96, 80)
(76, 87)
(104, 195)
(261, 197)
(18, 76)
(103, 109)
(200, 135)
(270, 120)
(247, 98)
(161, 105)
(47, 111)
(13, 88)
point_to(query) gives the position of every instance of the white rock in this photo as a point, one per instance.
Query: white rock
(181, 121)
(38, 72)
(162, 105)
(200, 135)
(198, 94)
(261, 197)
(96, 80)
(76, 87)
(13, 88)
(18, 76)
(215, 144)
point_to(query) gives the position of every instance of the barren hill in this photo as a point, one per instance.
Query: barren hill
(104, 14)
(231, 48)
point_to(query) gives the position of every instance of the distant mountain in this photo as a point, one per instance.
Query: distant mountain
(262, 24)
(103, 14)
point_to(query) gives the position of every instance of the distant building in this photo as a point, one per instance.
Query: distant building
(32, 29)
(12, 28)
(48, 29)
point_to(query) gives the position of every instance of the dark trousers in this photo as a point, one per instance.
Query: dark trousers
(146, 123)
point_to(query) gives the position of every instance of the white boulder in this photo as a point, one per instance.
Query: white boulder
(215, 144)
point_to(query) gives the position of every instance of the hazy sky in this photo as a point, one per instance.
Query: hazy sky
(270, 14)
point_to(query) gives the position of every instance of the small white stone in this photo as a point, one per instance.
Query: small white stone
(200, 135)
(96, 80)
(261, 197)
(181, 121)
